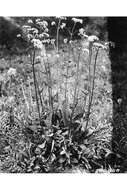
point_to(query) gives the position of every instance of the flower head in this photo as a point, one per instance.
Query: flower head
(38, 20)
(29, 36)
(93, 38)
(63, 25)
(30, 21)
(77, 20)
(61, 17)
(37, 43)
(26, 27)
(35, 30)
(43, 23)
(46, 29)
(46, 41)
(65, 40)
(85, 50)
(41, 35)
(53, 23)
(52, 41)
(81, 31)
(45, 34)
(18, 35)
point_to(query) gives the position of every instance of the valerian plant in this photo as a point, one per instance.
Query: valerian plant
(38, 36)
(64, 82)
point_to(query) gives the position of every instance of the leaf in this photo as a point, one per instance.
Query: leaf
(62, 152)
(59, 132)
(83, 128)
(37, 150)
(83, 147)
(65, 133)
(42, 145)
(24, 153)
(53, 157)
(62, 160)
(85, 141)
(87, 151)
(74, 160)
(32, 128)
(37, 167)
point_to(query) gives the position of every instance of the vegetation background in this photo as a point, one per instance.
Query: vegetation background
(56, 95)
(80, 182)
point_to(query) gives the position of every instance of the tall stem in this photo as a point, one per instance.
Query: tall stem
(57, 35)
(89, 64)
(39, 92)
(92, 89)
(48, 77)
(50, 87)
(30, 93)
(75, 100)
(35, 84)
(76, 81)
(72, 31)
(27, 104)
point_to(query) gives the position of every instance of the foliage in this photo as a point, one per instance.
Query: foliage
(56, 106)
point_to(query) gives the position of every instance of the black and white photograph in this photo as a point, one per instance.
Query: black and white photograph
(63, 95)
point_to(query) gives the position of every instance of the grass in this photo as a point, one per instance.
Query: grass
(56, 108)
(60, 86)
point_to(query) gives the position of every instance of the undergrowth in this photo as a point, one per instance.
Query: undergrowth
(56, 104)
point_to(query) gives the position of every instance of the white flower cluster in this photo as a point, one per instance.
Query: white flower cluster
(61, 17)
(63, 25)
(53, 23)
(43, 23)
(76, 20)
(52, 41)
(46, 41)
(34, 30)
(81, 31)
(38, 20)
(11, 72)
(43, 35)
(30, 21)
(26, 27)
(93, 38)
(29, 36)
(65, 40)
(18, 35)
(37, 43)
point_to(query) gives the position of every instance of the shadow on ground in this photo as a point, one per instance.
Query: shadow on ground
(117, 28)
